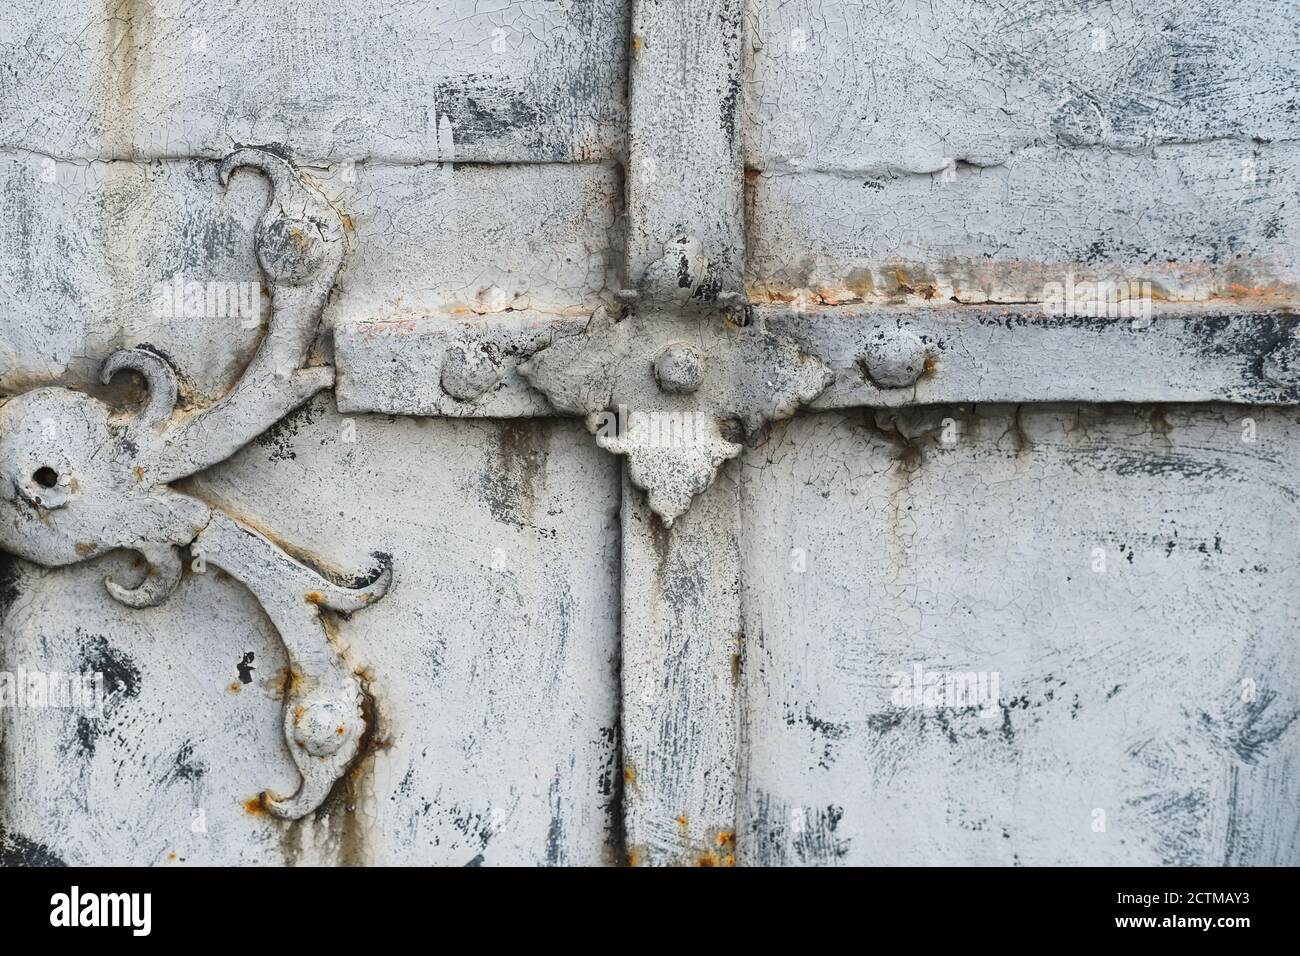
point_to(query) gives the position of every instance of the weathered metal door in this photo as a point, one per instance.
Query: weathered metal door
(578, 432)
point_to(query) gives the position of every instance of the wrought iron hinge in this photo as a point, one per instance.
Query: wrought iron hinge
(79, 478)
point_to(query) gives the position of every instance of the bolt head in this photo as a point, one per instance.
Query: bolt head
(468, 371)
(290, 250)
(894, 358)
(322, 727)
(679, 369)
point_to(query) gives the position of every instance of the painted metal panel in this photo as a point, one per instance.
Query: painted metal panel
(1121, 576)
(828, 232)
(334, 80)
(98, 249)
(492, 662)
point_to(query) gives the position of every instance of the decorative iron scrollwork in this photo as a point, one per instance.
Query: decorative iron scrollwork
(79, 478)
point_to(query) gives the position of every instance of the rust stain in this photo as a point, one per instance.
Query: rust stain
(390, 326)
(86, 547)
(682, 821)
(234, 687)
(1022, 283)
(314, 597)
(860, 283)
(138, 472)
(629, 775)
(286, 683)
(256, 806)
(345, 807)
(1274, 290)
(633, 857)
(726, 837)
(636, 45)
(902, 281)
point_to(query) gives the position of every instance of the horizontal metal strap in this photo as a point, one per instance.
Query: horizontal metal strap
(467, 368)
(398, 367)
(1020, 354)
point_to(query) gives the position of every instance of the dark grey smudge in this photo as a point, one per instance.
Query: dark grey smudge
(185, 766)
(1249, 728)
(10, 579)
(555, 829)
(511, 473)
(121, 682)
(279, 438)
(17, 850)
(781, 834)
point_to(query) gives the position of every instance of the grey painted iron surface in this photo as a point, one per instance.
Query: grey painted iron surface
(1128, 573)
(492, 664)
(338, 80)
(909, 149)
(557, 675)
(1181, 353)
(77, 480)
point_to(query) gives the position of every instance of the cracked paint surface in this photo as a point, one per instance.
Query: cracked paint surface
(914, 150)
(338, 80)
(1120, 691)
(557, 678)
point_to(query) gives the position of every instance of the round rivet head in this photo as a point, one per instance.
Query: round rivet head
(894, 359)
(468, 371)
(679, 369)
(321, 727)
(290, 250)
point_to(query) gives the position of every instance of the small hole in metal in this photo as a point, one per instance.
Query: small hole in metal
(45, 476)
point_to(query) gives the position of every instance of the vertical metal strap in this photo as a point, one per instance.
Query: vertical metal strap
(681, 584)
(684, 175)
